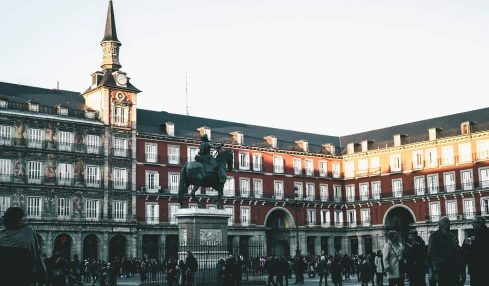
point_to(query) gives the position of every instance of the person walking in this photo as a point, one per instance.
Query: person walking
(192, 267)
(379, 269)
(336, 270)
(443, 251)
(393, 258)
(20, 255)
(415, 253)
(323, 271)
(478, 252)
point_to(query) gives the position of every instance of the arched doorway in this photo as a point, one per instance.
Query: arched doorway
(90, 246)
(62, 244)
(117, 247)
(150, 246)
(279, 223)
(399, 218)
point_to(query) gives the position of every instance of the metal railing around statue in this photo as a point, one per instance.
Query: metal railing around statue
(215, 264)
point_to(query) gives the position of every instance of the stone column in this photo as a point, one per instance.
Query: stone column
(331, 249)
(361, 244)
(48, 244)
(133, 241)
(303, 243)
(317, 245)
(78, 245)
(263, 241)
(162, 246)
(104, 255)
(460, 235)
(345, 245)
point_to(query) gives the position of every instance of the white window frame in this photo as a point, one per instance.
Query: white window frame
(297, 166)
(365, 217)
(244, 187)
(6, 132)
(230, 210)
(92, 176)
(309, 165)
(257, 162)
(93, 144)
(484, 206)
(467, 179)
(338, 218)
(431, 157)
(65, 174)
(151, 152)
(92, 209)
(350, 193)
(451, 209)
(172, 210)
(364, 191)
(300, 190)
(435, 211)
(63, 209)
(5, 170)
(278, 164)
(336, 170)
(447, 155)
(229, 187)
(34, 172)
(119, 210)
(351, 218)
(191, 152)
(465, 153)
(120, 178)
(120, 147)
(374, 167)
(258, 188)
(35, 138)
(310, 191)
(65, 140)
(245, 215)
(484, 177)
(311, 217)
(419, 185)
(482, 149)
(4, 204)
(244, 161)
(323, 192)
(362, 167)
(395, 163)
(173, 182)
(278, 190)
(152, 213)
(469, 213)
(337, 195)
(120, 115)
(323, 168)
(34, 207)
(376, 192)
(397, 188)
(418, 162)
(152, 181)
(449, 182)
(173, 154)
(432, 183)
(325, 218)
(349, 169)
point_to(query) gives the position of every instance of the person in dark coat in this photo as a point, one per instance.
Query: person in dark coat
(192, 267)
(238, 270)
(478, 252)
(221, 271)
(364, 270)
(323, 271)
(415, 254)
(229, 266)
(270, 269)
(443, 250)
(335, 269)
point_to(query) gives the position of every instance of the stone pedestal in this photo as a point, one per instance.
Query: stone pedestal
(203, 232)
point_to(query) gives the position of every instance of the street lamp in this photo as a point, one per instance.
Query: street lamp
(296, 206)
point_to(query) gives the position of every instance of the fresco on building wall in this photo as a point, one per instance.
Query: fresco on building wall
(19, 132)
(49, 135)
(79, 171)
(50, 169)
(19, 168)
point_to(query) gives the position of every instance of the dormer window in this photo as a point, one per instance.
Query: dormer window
(170, 128)
(466, 127)
(303, 145)
(238, 137)
(434, 133)
(3, 103)
(272, 141)
(63, 111)
(89, 114)
(34, 107)
(205, 130)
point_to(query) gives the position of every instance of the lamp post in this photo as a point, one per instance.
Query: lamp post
(296, 206)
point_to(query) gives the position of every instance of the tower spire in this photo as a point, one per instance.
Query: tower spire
(110, 43)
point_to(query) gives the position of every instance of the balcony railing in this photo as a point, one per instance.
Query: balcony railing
(119, 152)
(374, 171)
(51, 145)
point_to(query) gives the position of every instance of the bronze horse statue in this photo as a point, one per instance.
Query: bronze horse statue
(194, 173)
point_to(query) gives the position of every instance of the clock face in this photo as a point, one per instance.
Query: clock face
(121, 79)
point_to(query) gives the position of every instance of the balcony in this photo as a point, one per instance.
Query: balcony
(150, 189)
(374, 171)
(337, 199)
(6, 178)
(350, 199)
(397, 193)
(92, 183)
(362, 173)
(173, 159)
(351, 223)
(258, 195)
(6, 141)
(119, 152)
(366, 222)
(434, 217)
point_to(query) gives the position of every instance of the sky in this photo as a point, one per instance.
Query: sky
(332, 67)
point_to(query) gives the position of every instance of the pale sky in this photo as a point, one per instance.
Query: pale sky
(332, 67)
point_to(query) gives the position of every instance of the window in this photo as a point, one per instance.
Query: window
(484, 177)
(451, 211)
(338, 218)
(4, 204)
(120, 115)
(435, 211)
(170, 129)
(35, 138)
(323, 169)
(191, 152)
(323, 192)
(172, 210)
(447, 155)
(311, 217)
(397, 188)
(64, 208)
(229, 187)
(65, 174)
(469, 211)
(395, 163)
(257, 162)
(92, 209)
(258, 188)
(467, 180)
(464, 153)
(297, 166)
(151, 153)
(349, 169)
(482, 150)
(419, 185)
(34, 205)
(362, 167)
(299, 191)
(93, 144)
(418, 160)
(309, 168)
(5, 170)
(173, 182)
(364, 192)
(34, 172)
(351, 217)
(365, 217)
(5, 135)
(34, 107)
(337, 193)
(120, 178)
(3, 103)
(449, 179)
(350, 193)
(230, 210)
(152, 213)
(376, 190)
(244, 187)
(336, 170)
(431, 157)
(244, 161)
(278, 164)
(65, 140)
(152, 181)
(119, 210)
(325, 218)
(92, 176)
(374, 166)
(120, 147)
(173, 154)
(484, 206)
(432, 183)
(63, 111)
(278, 190)
(245, 216)
(310, 192)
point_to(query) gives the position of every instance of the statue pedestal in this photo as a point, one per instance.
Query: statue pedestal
(203, 232)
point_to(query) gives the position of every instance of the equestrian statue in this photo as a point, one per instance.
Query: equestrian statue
(206, 171)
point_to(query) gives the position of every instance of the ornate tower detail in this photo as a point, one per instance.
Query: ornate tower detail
(110, 44)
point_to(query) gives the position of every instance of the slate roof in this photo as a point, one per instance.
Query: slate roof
(150, 122)
(418, 131)
(109, 81)
(110, 30)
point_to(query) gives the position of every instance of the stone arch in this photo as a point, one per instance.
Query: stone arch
(399, 217)
(91, 246)
(279, 223)
(289, 219)
(63, 243)
(118, 246)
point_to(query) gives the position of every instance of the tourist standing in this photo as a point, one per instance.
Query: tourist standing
(379, 268)
(393, 257)
(323, 271)
(478, 252)
(192, 267)
(443, 251)
(415, 253)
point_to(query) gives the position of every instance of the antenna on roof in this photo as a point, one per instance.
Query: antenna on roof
(57, 85)
(186, 93)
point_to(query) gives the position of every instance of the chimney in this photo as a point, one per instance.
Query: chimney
(328, 148)
(434, 133)
(238, 137)
(399, 139)
(271, 140)
(350, 148)
(303, 145)
(366, 145)
(466, 127)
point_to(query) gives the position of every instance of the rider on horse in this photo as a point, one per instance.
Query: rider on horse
(204, 156)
